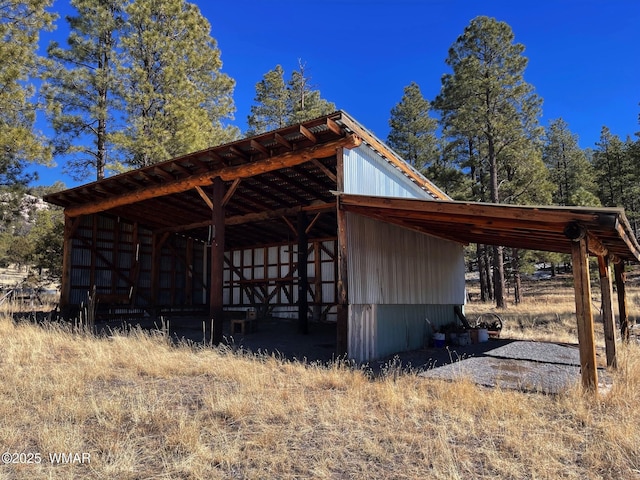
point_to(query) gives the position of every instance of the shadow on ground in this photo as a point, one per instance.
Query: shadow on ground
(515, 364)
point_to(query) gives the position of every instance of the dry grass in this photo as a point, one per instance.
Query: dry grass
(144, 408)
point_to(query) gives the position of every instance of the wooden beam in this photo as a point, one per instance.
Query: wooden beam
(259, 147)
(342, 284)
(216, 304)
(307, 133)
(303, 278)
(584, 315)
(204, 196)
(228, 173)
(326, 171)
(282, 141)
(255, 217)
(312, 223)
(231, 191)
(608, 319)
(618, 269)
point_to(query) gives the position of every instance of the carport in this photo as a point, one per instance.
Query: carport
(579, 231)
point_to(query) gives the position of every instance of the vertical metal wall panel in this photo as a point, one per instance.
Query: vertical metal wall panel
(378, 331)
(367, 173)
(393, 265)
(362, 332)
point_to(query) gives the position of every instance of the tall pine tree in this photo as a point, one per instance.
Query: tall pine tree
(569, 170)
(487, 102)
(21, 22)
(279, 103)
(413, 131)
(81, 85)
(176, 98)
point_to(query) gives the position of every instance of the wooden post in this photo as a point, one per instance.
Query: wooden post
(580, 263)
(342, 340)
(303, 278)
(65, 287)
(608, 319)
(216, 304)
(618, 269)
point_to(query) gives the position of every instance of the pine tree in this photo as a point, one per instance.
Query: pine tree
(568, 167)
(279, 103)
(413, 131)
(176, 98)
(271, 109)
(305, 102)
(618, 174)
(81, 84)
(487, 101)
(21, 22)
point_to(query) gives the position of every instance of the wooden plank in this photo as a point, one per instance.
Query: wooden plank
(620, 276)
(608, 319)
(584, 315)
(227, 173)
(216, 304)
(325, 170)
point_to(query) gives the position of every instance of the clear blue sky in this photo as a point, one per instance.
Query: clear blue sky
(584, 56)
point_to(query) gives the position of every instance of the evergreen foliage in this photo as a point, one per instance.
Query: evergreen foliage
(174, 94)
(279, 103)
(487, 106)
(81, 86)
(21, 22)
(569, 169)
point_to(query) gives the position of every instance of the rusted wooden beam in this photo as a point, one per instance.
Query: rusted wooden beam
(228, 173)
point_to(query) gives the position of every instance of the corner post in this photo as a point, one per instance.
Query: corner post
(580, 262)
(342, 340)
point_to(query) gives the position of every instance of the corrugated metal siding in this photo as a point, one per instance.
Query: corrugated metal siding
(393, 265)
(362, 328)
(378, 331)
(367, 173)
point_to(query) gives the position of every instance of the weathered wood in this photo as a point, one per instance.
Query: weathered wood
(228, 173)
(608, 319)
(620, 276)
(70, 226)
(256, 217)
(303, 278)
(204, 196)
(216, 304)
(584, 315)
(342, 284)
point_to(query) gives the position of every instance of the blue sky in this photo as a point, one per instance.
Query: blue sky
(584, 56)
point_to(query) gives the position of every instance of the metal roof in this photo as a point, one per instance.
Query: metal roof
(528, 227)
(270, 177)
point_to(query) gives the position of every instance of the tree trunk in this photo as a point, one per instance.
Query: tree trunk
(517, 280)
(498, 251)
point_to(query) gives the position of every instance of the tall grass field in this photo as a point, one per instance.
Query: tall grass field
(134, 405)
